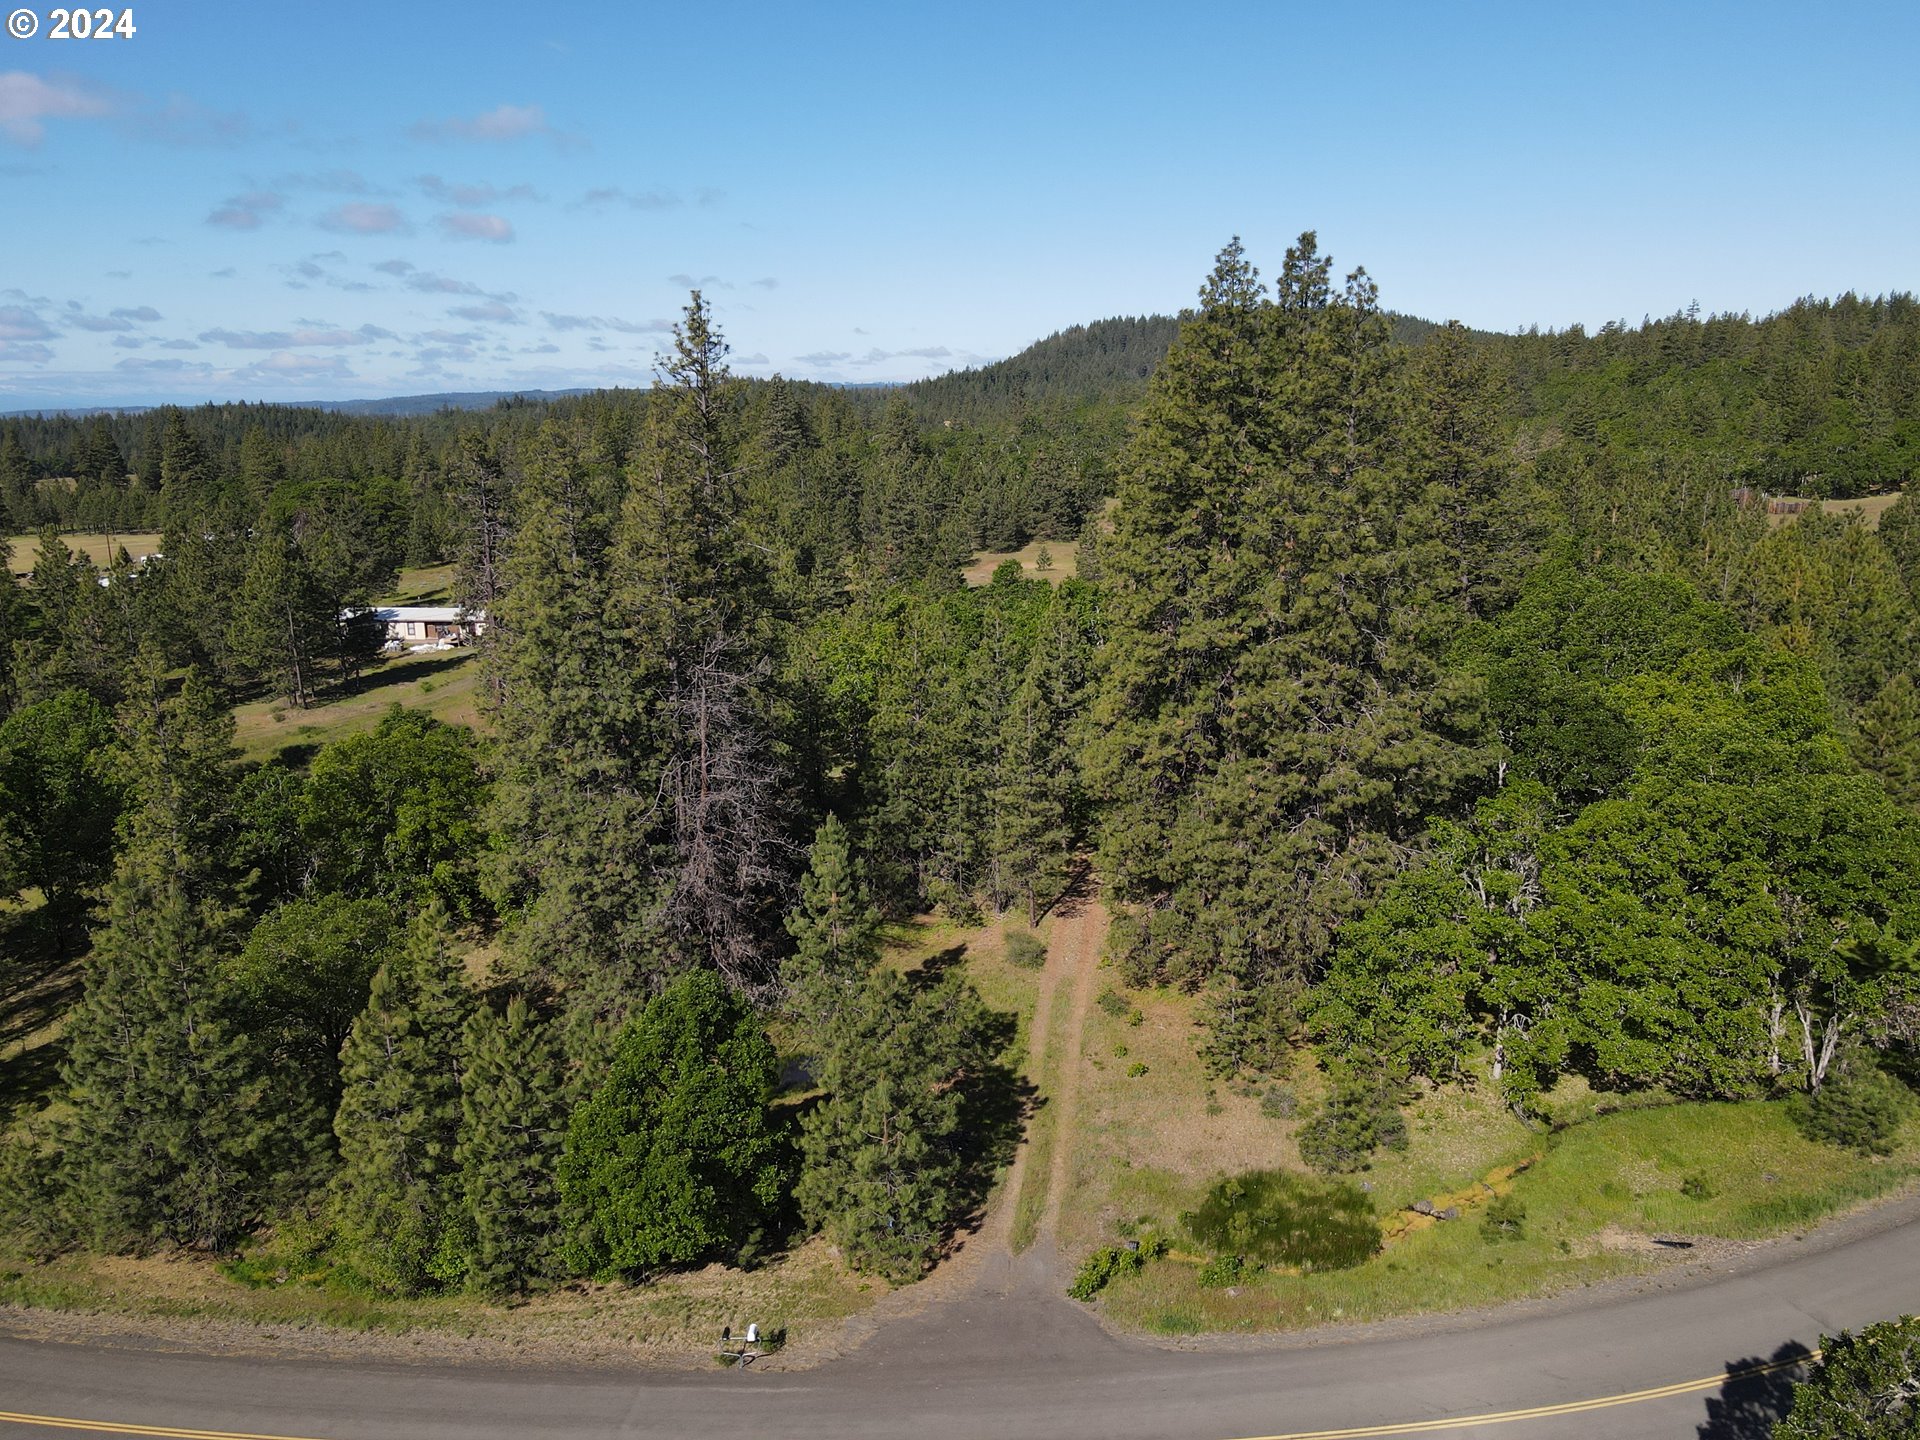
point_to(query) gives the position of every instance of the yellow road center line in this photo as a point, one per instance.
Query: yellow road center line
(1362, 1432)
(1543, 1412)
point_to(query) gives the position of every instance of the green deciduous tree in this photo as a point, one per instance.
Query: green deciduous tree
(673, 1158)
(60, 796)
(302, 980)
(397, 812)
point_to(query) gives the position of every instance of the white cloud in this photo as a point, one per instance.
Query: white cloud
(490, 310)
(363, 218)
(245, 212)
(17, 322)
(502, 123)
(28, 101)
(476, 227)
(289, 339)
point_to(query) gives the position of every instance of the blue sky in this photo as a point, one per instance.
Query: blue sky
(269, 200)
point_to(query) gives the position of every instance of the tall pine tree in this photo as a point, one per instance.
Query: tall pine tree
(397, 1192)
(174, 1132)
(512, 1120)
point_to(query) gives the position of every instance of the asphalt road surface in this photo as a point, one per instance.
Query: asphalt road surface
(1006, 1359)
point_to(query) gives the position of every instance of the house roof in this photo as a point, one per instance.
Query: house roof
(444, 614)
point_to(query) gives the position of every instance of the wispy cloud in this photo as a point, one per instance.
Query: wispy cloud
(471, 197)
(360, 217)
(25, 352)
(493, 310)
(291, 339)
(500, 124)
(28, 101)
(17, 323)
(607, 195)
(459, 225)
(245, 212)
(606, 322)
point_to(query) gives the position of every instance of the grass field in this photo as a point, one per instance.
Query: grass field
(97, 548)
(1065, 554)
(1871, 507)
(444, 683)
(1598, 1194)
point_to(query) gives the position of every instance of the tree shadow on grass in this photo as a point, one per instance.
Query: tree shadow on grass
(39, 982)
(1756, 1395)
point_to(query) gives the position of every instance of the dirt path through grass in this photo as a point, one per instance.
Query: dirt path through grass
(1076, 947)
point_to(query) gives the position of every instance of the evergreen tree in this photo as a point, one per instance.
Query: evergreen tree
(1487, 525)
(689, 604)
(398, 1186)
(1866, 1386)
(173, 1132)
(1886, 738)
(835, 929)
(582, 852)
(673, 1159)
(512, 1121)
(1036, 797)
(1274, 724)
(279, 627)
(893, 1158)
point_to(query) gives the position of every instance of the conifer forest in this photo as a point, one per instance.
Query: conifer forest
(1430, 707)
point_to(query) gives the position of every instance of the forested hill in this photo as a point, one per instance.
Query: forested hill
(1082, 365)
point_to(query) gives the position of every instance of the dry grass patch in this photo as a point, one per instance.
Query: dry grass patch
(1064, 555)
(675, 1319)
(100, 549)
(1868, 507)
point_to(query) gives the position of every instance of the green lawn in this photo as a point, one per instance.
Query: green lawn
(444, 683)
(1598, 1200)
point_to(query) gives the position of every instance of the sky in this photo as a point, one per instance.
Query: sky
(253, 199)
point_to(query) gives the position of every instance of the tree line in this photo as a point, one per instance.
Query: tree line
(1410, 732)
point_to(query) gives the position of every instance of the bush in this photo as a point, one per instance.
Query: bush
(1222, 1271)
(1102, 1267)
(1113, 1003)
(1698, 1187)
(1024, 948)
(1861, 1109)
(1278, 1218)
(1505, 1218)
(1356, 1120)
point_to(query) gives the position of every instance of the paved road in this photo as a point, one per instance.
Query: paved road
(1006, 1360)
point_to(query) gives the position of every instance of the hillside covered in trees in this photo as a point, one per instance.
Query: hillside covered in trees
(1437, 708)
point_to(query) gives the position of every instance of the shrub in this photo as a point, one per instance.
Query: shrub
(1222, 1271)
(1860, 1109)
(1279, 1103)
(1355, 1121)
(1136, 1070)
(1698, 1187)
(1025, 949)
(1102, 1267)
(1113, 1003)
(1505, 1218)
(1278, 1218)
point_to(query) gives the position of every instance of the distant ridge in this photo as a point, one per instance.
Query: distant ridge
(432, 404)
